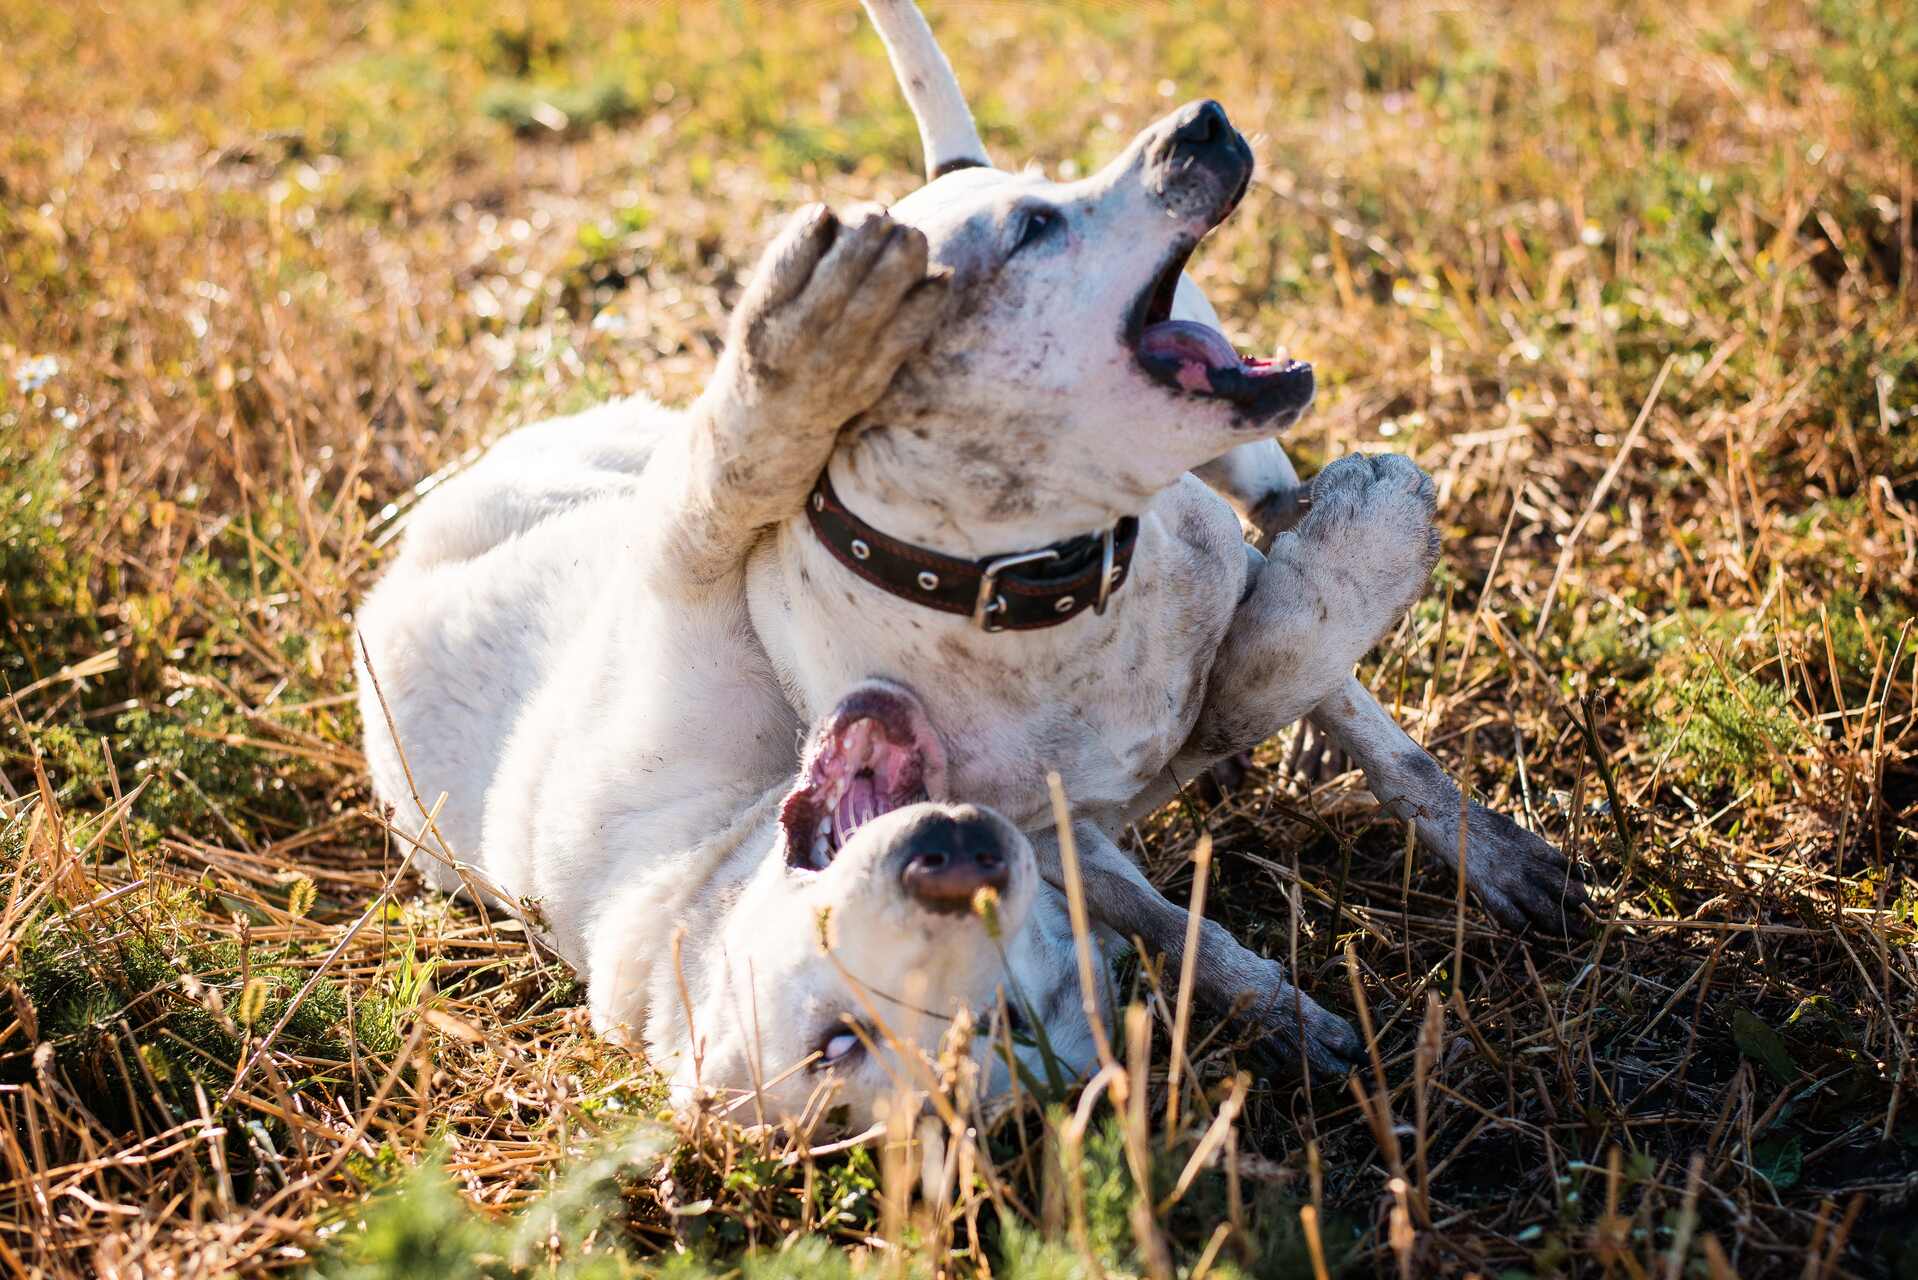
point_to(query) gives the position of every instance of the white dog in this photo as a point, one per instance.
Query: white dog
(602, 642)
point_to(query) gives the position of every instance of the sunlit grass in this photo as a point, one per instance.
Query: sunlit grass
(265, 267)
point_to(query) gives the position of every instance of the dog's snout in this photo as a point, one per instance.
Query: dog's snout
(950, 857)
(1198, 142)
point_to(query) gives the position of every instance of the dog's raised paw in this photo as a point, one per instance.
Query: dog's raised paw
(834, 307)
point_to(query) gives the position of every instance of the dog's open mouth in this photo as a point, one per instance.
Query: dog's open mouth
(1197, 359)
(875, 753)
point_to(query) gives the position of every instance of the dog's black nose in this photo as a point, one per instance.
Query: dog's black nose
(950, 858)
(1202, 124)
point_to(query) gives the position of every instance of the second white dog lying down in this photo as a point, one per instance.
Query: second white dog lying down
(818, 950)
(841, 925)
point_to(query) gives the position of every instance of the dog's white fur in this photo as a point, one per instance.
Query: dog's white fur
(1521, 878)
(602, 642)
(565, 654)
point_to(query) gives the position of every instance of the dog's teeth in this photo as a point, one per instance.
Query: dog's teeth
(825, 825)
(821, 851)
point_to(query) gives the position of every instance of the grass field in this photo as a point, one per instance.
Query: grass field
(1638, 284)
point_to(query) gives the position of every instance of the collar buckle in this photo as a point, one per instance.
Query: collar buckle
(989, 600)
(1108, 570)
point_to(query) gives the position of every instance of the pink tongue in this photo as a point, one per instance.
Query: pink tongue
(856, 807)
(1189, 340)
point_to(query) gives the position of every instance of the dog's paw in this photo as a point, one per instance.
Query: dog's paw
(835, 306)
(1526, 883)
(1371, 516)
(1299, 1029)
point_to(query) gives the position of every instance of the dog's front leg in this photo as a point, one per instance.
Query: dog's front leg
(1278, 664)
(1520, 877)
(832, 310)
(1229, 978)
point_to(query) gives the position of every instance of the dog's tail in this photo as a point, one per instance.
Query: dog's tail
(945, 123)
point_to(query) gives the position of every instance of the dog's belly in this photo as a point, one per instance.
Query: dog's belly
(1106, 702)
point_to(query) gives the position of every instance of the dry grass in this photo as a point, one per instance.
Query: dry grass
(1638, 286)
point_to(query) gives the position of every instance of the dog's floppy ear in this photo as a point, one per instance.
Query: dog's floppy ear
(945, 123)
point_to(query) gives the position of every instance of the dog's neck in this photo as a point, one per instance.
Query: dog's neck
(918, 491)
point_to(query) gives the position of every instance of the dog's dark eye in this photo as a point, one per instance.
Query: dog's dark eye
(1035, 225)
(840, 1046)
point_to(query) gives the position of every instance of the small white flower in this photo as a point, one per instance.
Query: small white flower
(35, 373)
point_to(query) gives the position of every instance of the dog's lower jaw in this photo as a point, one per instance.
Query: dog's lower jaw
(876, 753)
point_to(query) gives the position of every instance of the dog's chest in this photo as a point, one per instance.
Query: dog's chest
(1104, 701)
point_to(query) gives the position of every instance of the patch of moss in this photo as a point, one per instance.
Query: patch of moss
(137, 1020)
(1721, 728)
(1864, 636)
(81, 988)
(45, 600)
(1871, 55)
(199, 772)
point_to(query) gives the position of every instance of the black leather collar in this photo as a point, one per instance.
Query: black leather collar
(1018, 591)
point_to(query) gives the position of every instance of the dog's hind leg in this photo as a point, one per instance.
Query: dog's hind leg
(830, 313)
(1522, 879)
(1229, 979)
